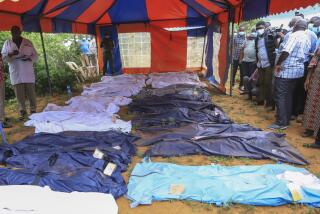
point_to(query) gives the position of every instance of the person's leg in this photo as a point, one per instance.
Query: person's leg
(281, 91)
(105, 63)
(268, 86)
(242, 74)
(31, 94)
(111, 65)
(19, 90)
(261, 94)
(289, 98)
(251, 68)
(247, 86)
(234, 71)
(2, 98)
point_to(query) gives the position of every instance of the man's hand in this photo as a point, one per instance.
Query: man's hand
(14, 53)
(277, 68)
(306, 84)
(27, 59)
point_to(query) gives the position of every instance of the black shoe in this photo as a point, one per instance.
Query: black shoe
(307, 133)
(276, 126)
(315, 145)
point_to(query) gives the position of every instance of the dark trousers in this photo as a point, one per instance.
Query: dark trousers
(247, 68)
(250, 87)
(300, 95)
(283, 98)
(108, 59)
(265, 85)
(235, 67)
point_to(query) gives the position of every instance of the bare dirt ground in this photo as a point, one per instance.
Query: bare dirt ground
(241, 111)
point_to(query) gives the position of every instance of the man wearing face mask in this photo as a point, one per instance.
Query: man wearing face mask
(248, 57)
(237, 47)
(289, 68)
(265, 52)
(107, 45)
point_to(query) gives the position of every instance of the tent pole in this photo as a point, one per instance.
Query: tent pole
(231, 53)
(46, 61)
(203, 49)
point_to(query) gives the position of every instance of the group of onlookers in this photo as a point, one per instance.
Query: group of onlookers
(280, 69)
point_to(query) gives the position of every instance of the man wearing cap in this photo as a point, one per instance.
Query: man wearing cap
(289, 68)
(21, 55)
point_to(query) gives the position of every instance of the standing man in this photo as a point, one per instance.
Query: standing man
(20, 55)
(248, 58)
(238, 42)
(289, 68)
(265, 51)
(85, 51)
(107, 44)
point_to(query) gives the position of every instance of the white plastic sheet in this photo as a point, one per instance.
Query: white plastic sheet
(59, 121)
(42, 200)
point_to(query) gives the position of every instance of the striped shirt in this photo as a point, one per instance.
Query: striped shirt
(238, 42)
(297, 45)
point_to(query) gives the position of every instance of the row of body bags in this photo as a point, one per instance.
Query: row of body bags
(94, 110)
(69, 161)
(266, 185)
(175, 106)
(182, 120)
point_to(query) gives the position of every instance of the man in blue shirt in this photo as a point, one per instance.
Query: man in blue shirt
(265, 52)
(84, 46)
(85, 51)
(289, 68)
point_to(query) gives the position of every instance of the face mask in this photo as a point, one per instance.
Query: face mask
(241, 33)
(310, 26)
(254, 34)
(260, 32)
(316, 30)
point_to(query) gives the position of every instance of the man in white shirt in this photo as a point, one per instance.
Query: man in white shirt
(21, 55)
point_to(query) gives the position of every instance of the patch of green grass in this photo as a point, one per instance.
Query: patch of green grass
(198, 207)
(170, 160)
(218, 159)
(224, 210)
(243, 160)
(140, 154)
